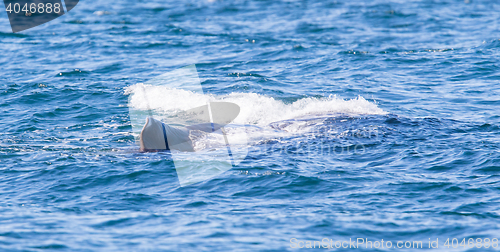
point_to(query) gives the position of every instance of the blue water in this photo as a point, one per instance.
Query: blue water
(413, 84)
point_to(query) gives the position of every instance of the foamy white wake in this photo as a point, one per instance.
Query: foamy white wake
(255, 108)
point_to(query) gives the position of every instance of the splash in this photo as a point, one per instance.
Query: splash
(256, 109)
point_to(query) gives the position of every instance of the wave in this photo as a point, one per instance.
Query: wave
(255, 109)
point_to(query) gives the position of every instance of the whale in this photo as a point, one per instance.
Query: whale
(160, 136)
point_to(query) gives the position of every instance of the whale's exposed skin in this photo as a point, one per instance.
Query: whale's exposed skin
(157, 136)
(211, 118)
(154, 134)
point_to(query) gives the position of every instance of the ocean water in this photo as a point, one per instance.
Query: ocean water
(366, 119)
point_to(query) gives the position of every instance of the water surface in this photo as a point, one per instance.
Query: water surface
(403, 143)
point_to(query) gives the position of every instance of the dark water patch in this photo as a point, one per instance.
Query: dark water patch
(75, 72)
(53, 246)
(353, 52)
(489, 170)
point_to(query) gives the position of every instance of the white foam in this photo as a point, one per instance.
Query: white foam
(255, 108)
